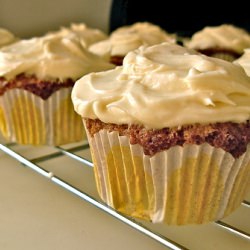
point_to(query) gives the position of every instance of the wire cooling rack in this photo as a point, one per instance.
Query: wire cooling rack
(73, 152)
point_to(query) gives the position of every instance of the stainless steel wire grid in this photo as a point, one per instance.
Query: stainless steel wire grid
(72, 152)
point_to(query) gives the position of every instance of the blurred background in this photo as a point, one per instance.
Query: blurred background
(29, 18)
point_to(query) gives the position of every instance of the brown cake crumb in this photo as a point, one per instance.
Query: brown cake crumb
(117, 60)
(42, 88)
(231, 137)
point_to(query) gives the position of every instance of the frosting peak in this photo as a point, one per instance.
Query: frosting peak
(131, 37)
(165, 85)
(6, 37)
(82, 32)
(244, 61)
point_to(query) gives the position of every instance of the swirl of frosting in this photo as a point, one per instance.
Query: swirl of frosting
(49, 57)
(85, 34)
(224, 36)
(6, 37)
(165, 85)
(244, 61)
(131, 37)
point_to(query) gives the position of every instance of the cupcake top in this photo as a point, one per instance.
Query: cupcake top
(244, 61)
(165, 85)
(85, 34)
(6, 37)
(49, 57)
(224, 36)
(131, 37)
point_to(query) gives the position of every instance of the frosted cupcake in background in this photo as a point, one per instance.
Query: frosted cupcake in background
(86, 35)
(244, 61)
(169, 134)
(36, 79)
(6, 37)
(128, 38)
(225, 41)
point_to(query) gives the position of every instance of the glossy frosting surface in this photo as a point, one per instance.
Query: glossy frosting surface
(51, 56)
(131, 37)
(85, 34)
(244, 61)
(6, 37)
(165, 86)
(224, 36)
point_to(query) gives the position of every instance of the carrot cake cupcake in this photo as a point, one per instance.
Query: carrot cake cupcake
(36, 79)
(169, 134)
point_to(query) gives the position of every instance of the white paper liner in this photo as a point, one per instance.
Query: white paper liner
(192, 184)
(29, 119)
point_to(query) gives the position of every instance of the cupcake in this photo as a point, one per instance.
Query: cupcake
(169, 134)
(82, 32)
(225, 41)
(6, 37)
(128, 38)
(36, 80)
(244, 61)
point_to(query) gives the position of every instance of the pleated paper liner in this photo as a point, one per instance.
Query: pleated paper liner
(193, 184)
(28, 119)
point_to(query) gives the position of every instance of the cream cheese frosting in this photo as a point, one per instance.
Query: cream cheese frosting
(49, 57)
(85, 34)
(244, 61)
(131, 37)
(165, 85)
(6, 37)
(225, 36)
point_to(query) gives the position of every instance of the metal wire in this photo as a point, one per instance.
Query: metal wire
(160, 238)
(246, 204)
(233, 230)
(31, 163)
